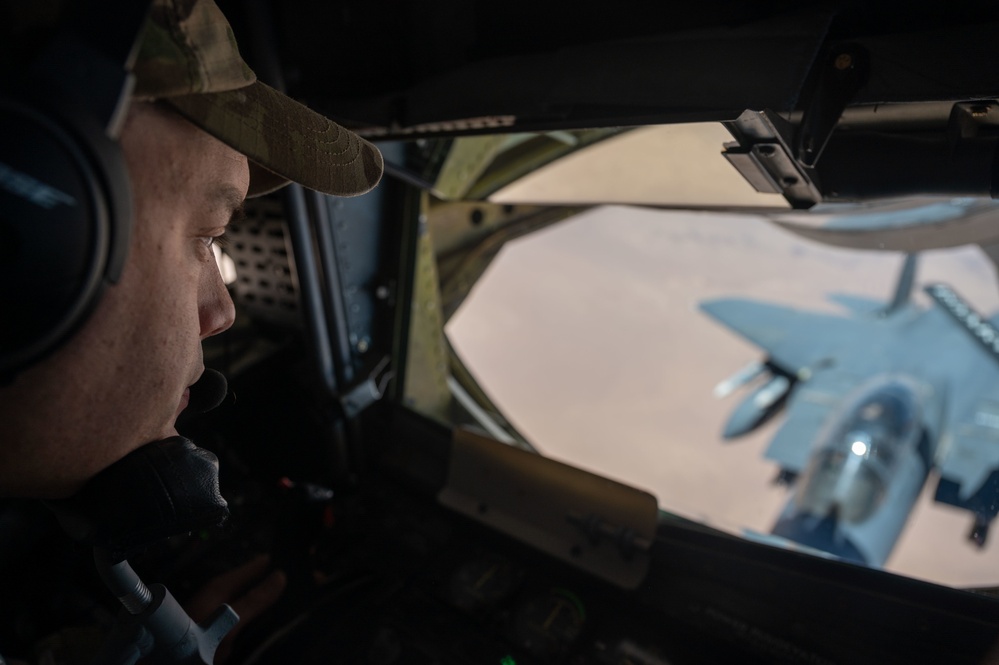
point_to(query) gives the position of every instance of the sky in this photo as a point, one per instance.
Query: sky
(587, 336)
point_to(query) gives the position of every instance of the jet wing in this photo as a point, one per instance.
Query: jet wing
(970, 461)
(857, 305)
(794, 340)
(807, 412)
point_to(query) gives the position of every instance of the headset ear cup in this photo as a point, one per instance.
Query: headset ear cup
(65, 218)
(65, 200)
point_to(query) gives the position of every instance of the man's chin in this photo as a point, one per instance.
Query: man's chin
(75, 486)
(50, 491)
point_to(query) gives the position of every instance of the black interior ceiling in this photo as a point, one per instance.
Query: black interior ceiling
(396, 66)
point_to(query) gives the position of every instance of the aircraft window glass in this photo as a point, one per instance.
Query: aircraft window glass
(881, 424)
(664, 165)
(841, 484)
(678, 165)
(590, 339)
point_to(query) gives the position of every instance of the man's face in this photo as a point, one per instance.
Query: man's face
(120, 382)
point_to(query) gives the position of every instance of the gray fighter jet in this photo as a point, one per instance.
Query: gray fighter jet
(875, 402)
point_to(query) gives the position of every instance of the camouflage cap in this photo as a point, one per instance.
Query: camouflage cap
(189, 59)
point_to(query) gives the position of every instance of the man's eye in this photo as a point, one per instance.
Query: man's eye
(221, 241)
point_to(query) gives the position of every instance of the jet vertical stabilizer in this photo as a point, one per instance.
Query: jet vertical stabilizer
(903, 288)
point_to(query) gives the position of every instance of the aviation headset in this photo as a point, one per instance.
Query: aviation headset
(65, 200)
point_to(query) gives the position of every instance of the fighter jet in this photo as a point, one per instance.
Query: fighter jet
(876, 401)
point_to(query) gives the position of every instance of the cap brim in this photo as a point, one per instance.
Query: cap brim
(287, 139)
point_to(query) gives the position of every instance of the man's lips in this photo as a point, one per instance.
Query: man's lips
(184, 400)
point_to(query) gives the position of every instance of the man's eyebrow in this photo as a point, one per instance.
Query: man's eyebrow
(230, 198)
(238, 215)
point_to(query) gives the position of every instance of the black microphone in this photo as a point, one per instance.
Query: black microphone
(169, 486)
(161, 489)
(207, 392)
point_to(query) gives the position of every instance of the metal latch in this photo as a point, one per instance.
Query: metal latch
(627, 540)
(368, 391)
(762, 154)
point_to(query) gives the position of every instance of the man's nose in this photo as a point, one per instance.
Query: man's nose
(216, 311)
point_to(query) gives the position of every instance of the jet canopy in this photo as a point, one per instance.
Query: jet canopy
(858, 452)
